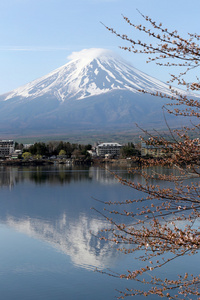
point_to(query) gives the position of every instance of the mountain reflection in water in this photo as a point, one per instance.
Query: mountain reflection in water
(47, 249)
(72, 237)
(53, 204)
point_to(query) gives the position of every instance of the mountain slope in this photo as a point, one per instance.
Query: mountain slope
(89, 73)
(95, 89)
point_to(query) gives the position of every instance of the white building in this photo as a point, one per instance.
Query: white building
(105, 149)
(6, 147)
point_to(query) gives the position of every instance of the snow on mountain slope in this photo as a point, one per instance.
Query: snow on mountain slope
(90, 72)
(95, 90)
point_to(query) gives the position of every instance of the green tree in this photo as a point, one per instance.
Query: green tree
(129, 150)
(19, 146)
(62, 152)
(68, 148)
(52, 147)
(38, 156)
(60, 146)
(39, 149)
(26, 155)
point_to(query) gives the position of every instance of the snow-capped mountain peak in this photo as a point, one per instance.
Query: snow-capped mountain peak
(89, 72)
(96, 89)
(85, 56)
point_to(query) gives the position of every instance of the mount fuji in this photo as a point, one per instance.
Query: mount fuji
(96, 89)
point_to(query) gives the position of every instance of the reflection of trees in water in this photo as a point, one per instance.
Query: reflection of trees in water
(61, 174)
(106, 175)
(9, 176)
(57, 177)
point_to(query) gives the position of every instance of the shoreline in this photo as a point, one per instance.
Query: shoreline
(43, 162)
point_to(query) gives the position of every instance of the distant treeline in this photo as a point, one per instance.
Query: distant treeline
(55, 148)
(129, 150)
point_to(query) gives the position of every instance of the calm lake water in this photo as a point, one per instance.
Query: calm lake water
(46, 249)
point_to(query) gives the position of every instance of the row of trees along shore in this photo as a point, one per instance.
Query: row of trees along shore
(55, 148)
(163, 225)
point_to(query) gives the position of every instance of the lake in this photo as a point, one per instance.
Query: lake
(47, 250)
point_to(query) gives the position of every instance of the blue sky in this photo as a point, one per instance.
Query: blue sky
(36, 36)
